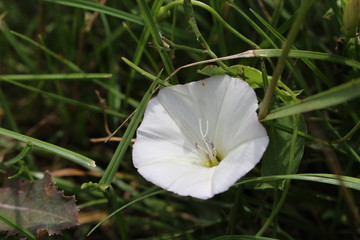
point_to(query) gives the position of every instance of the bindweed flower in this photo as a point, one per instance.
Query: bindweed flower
(198, 139)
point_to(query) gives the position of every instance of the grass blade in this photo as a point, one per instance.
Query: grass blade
(310, 64)
(279, 68)
(242, 237)
(309, 54)
(61, 59)
(113, 166)
(350, 182)
(125, 206)
(65, 153)
(93, 6)
(331, 97)
(17, 227)
(154, 31)
(64, 99)
(51, 77)
(144, 73)
(7, 112)
(19, 48)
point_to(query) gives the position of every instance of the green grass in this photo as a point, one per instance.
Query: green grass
(72, 71)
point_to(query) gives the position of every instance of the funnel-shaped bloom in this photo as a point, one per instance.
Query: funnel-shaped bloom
(198, 139)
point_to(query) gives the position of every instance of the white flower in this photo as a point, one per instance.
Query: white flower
(198, 139)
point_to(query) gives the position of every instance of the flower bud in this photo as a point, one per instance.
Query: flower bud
(162, 14)
(351, 18)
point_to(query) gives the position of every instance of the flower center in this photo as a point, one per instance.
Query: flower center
(207, 147)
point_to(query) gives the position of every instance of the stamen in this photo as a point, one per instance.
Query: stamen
(201, 148)
(211, 144)
(209, 150)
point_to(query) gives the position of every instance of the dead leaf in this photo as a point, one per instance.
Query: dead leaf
(37, 206)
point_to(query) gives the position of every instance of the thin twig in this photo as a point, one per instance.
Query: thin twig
(127, 119)
(113, 139)
(103, 104)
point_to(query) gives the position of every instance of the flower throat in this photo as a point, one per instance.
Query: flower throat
(209, 149)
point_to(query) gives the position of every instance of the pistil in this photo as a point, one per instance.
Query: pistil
(209, 149)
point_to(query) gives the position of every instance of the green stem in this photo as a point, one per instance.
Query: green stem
(184, 47)
(281, 201)
(275, 211)
(264, 107)
(21, 155)
(190, 18)
(154, 31)
(275, 18)
(119, 219)
(215, 14)
(234, 211)
(349, 134)
(145, 73)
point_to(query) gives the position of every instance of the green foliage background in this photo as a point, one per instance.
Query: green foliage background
(71, 69)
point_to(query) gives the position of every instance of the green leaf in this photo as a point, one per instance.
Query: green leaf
(328, 98)
(37, 206)
(276, 160)
(212, 70)
(253, 77)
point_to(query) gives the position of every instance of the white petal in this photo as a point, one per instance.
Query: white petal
(237, 163)
(181, 177)
(165, 157)
(159, 138)
(189, 103)
(237, 122)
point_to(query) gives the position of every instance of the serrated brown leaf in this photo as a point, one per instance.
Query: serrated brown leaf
(37, 206)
